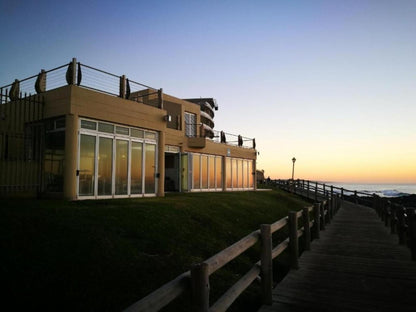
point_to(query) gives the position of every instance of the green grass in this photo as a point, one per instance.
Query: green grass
(104, 255)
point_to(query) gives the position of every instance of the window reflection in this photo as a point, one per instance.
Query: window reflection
(204, 171)
(136, 167)
(234, 169)
(228, 172)
(218, 171)
(105, 162)
(121, 166)
(250, 173)
(87, 165)
(211, 167)
(150, 169)
(196, 171)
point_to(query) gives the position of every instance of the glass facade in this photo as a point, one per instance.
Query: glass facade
(54, 153)
(136, 167)
(105, 165)
(239, 174)
(122, 161)
(87, 165)
(116, 160)
(150, 169)
(206, 172)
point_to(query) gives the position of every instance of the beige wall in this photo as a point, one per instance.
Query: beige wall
(75, 102)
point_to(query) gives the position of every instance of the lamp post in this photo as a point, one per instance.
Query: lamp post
(293, 167)
(293, 173)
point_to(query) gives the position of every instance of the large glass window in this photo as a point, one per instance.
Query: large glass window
(211, 168)
(136, 167)
(105, 166)
(245, 175)
(228, 175)
(54, 160)
(150, 169)
(240, 175)
(218, 171)
(250, 173)
(235, 173)
(204, 171)
(190, 124)
(116, 160)
(87, 165)
(196, 170)
(122, 148)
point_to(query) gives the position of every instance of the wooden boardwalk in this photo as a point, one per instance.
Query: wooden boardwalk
(356, 265)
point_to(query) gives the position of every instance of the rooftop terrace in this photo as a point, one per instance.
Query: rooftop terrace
(76, 73)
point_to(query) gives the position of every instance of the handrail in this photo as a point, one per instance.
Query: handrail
(197, 279)
(400, 219)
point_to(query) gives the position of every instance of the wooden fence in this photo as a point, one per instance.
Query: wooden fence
(307, 222)
(400, 219)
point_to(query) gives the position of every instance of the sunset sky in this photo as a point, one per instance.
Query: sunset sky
(332, 83)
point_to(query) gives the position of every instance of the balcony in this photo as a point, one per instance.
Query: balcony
(75, 73)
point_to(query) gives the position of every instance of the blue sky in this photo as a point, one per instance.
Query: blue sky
(332, 83)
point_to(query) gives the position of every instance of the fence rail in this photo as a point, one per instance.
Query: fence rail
(400, 219)
(307, 222)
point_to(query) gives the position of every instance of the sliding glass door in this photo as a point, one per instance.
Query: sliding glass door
(116, 161)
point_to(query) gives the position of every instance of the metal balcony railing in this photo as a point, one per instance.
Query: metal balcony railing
(84, 76)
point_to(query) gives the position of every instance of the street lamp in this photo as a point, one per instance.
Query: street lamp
(293, 167)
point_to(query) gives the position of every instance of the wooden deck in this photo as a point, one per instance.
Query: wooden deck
(356, 265)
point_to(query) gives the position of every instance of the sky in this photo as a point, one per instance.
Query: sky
(332, 83)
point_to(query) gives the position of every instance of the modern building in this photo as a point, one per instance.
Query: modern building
(89, 134)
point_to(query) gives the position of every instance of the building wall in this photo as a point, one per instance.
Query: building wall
(72, 103)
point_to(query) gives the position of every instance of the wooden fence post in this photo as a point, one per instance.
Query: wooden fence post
(331, 207)
(411, 215)
(322, 213)
(400, 225)
(306, 227)
(387, 213)
(266, 263)
(316, 217)
(200, 287)
(393, 220)
(293, 240)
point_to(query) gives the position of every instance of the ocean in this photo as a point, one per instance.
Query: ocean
(382, 190)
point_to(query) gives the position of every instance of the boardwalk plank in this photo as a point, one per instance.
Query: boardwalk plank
(357, 265)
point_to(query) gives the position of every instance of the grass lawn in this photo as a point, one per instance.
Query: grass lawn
(104, 255)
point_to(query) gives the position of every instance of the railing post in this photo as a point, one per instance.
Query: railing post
(316, 191)
(323, 204)
(266, 263)
(122, 93)
(342, 193)
(355, 197)
(393, 220)
(293, 240)
(400, 225)
(411, 215)
(160, 97)
(375, 203)
(387, 213)
(200, 287)
(316, 216)
(323, 187)
(331, 207)
(306, 227)
(307, 183)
